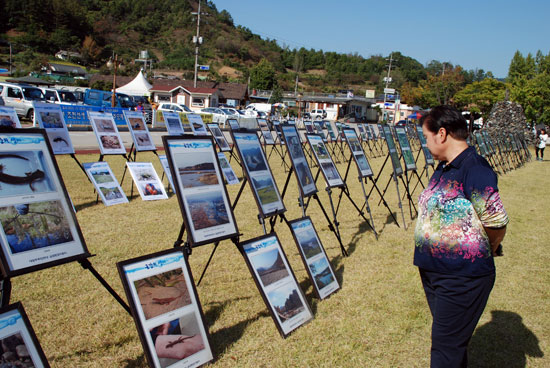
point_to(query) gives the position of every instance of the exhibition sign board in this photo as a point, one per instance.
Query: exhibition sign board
(105, 183)
(489, 142)
(188, 127)
(396, 163)
(258, 173)
(147, 181)
(106, 132)
(166, 167)
(233, 124)
(322, 156)
(266, 133)
(314, 257)
(39, 226)
(298, 159)
(219, 137)
(406, 151)
(196, 122)
(166, 309)
(9, 118)
(309, 127)
(427, 154)
(20, 346)
(201, 192)
(227, 170)
(357, 153)
(330, 131)
(319, 131)
(50, 117)
(481, 145)
(140, 134)
(276, 282)
(277, 128)
(173, 123)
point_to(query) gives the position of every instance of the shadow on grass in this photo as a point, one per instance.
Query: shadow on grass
(503, 342)
(215, 309)
(104, 347)
(139, 362)
(85, 205)
(222, 339)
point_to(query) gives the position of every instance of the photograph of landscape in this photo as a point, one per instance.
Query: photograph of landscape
(111, 193)
(7, 121)
(196, 169)
(270, 266)
(173, 125)
(162, 293)
(35, 225)
(329, 170)
(304, 176)
(321, 272)
(320, 150)
(253, 157)
(101, 176)
(142, 139)
(286, 301)
(265, 189)
(295, 147)
(362, 162)
(353, 142)
(51, 120)
(103, 125)
(207, 209)
(308, 241)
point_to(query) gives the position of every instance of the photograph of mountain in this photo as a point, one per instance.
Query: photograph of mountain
(270, 266)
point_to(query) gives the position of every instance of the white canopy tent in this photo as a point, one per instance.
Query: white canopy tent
(137, 87)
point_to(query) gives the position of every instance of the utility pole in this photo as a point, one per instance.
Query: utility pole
(197, 40)
(387, 80)
(113, 97)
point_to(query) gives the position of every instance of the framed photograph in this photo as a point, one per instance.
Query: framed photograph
(322, 156)
(188, 128)
(106, 132)
(357, 153)
(406, 151)
(309, 127)
(105, 183)
(319, 131)
(233, 124)
(195, 120)
(362, 134)
(166, 309)
(174, 124)
(314, 257)
(147, 181)
(9, 118)
(482, 148)
(330, 131)
(276, 282)
(140, 134)
(427, 154)
(258, 173)
(50, 117)
(396, 163)
(201, 192)
(277, 128)
(39, 228)
(20, 346)
(166, 167)
(266, 133)
(219, 137)
(227, 170)
(306, 183)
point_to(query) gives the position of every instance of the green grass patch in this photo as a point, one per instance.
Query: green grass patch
(378, 319)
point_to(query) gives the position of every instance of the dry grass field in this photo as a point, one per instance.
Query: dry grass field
(379, 318)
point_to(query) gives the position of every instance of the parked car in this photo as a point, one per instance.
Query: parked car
(96, 97)
(401, 123)
(318, 114)
(59, 96)
(218, 115)
(175, 107)
(21, 97)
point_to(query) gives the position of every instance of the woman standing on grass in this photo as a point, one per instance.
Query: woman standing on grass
(460, 225)
(541, 144)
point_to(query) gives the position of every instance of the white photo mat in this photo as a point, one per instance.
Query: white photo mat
(147, 181)
(105, 183)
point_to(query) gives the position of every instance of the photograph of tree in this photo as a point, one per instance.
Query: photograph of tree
(196, 169)
(162, 293)
(253, 158)
(321, 272)
(320, 150)
(286, 301)
(207, 209)
(270, 266)
(35, 225)
(176, 340)
(265, 188)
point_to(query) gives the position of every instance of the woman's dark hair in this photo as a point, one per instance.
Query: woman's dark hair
(447, 117)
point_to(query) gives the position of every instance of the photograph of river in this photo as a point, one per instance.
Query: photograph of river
(196, 169)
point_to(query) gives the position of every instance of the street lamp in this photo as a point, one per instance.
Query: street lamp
(197, 40)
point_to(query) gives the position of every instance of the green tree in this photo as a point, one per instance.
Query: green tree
(480, 96)
(262, 75)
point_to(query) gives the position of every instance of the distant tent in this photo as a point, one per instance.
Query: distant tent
(137, 87)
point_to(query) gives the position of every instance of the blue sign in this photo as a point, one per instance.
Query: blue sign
(204, 67)
(78, 114)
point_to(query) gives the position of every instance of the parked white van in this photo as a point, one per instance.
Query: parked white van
(21, 97)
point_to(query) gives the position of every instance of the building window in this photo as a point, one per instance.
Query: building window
(162, 98)
(197, 101)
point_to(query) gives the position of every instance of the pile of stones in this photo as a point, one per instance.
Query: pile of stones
(508, 117)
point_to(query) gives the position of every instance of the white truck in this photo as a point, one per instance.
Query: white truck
(262, 107)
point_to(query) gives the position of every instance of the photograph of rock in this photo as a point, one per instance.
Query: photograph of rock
(207, 209)
(270, 266)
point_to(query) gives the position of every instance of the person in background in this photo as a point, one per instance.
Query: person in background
(139, 107)
(461, 223)
(540, 144)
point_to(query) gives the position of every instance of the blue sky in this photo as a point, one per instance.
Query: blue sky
(482, 34)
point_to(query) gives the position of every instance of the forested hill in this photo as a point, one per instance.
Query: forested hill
(97, 29)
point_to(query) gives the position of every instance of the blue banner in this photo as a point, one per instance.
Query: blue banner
(78, 114)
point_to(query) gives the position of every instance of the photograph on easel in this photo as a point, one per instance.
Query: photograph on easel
(406, 151)
(105, 183)
(140, 134)
(322, 156)
(219, 137)
(314, 257)
(298, 160)
(427, 154)
(147, 181)
(357, 153)
(201, 191)
(18, 342)
(227, 170)
(50, 117)
(396, 163)
(276, 282)
(9, 118)
(38, 226)
(166, 309)
(110, 142)
(266, 133)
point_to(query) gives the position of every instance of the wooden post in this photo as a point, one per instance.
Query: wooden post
(113, 97)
